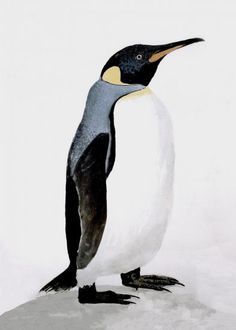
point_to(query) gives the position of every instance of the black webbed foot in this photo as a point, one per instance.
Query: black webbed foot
(154, 282)
(89, 295)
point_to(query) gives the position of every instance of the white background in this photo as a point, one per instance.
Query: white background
(51, 53)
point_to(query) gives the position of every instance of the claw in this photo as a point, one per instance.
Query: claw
(129, 296)
(164, 289)
(124, 302)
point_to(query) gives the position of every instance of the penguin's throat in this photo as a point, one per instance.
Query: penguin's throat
(105, 93)
(100, 102)
(135, 94)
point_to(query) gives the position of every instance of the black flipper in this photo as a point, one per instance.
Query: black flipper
(112, 147)
(90, 180)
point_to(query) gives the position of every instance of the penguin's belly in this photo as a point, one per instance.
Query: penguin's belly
(139, 188)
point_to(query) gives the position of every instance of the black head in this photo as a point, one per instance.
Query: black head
(137, 64)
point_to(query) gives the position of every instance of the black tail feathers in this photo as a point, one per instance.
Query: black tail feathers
(65, 281)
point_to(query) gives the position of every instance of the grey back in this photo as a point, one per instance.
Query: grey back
(96, 118)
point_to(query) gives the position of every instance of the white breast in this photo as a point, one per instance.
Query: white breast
(139, 188)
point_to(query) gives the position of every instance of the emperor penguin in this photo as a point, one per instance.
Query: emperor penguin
(119, 179)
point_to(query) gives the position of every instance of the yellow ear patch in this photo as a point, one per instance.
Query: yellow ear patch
(113, 76)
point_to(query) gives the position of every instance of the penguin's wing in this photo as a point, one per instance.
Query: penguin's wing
(112, 148)
(90, 180)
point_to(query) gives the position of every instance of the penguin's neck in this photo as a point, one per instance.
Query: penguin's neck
(101, 99)
(97, 117)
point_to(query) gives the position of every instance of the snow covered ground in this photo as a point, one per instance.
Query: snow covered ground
(152, 311)
(206, 302)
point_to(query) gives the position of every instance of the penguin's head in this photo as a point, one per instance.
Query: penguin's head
(137, 64)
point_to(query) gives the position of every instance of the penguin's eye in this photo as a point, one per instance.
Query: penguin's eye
(139, 57)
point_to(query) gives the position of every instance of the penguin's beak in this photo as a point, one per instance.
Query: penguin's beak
(163, 50)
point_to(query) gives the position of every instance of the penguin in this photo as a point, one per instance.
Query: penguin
(119, 179)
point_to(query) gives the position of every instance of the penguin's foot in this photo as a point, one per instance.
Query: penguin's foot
(89, 295)
(154, 282)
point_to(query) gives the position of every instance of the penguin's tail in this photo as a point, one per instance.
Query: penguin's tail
(64, 281)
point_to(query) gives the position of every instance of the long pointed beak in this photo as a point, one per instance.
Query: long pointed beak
(163, 50)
